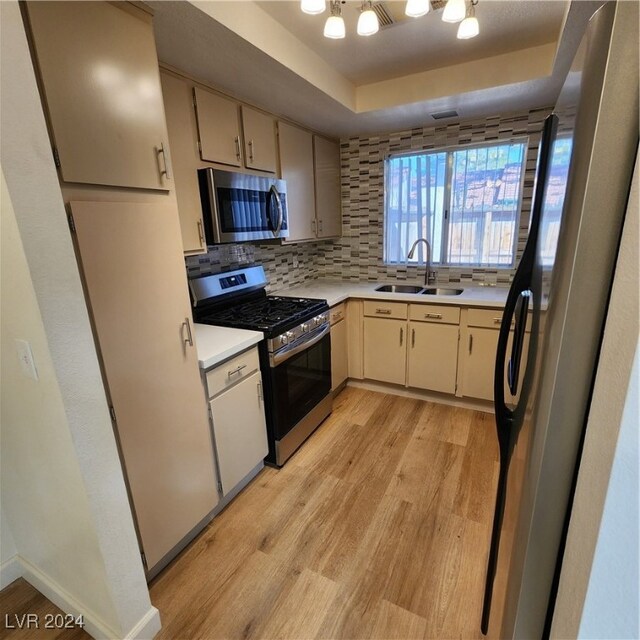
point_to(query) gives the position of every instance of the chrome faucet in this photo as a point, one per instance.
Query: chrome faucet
(428, 274)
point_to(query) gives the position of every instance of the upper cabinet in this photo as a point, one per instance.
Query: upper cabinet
(311, 166)
(233, 135)
(181, 123)
(327, 180)
(259, 140)
(218, 128)
(296, 167)
(99, 73)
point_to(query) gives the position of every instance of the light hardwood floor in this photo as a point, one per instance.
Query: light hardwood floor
(377, 528)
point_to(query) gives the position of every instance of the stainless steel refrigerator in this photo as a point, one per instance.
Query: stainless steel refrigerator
(560, 300)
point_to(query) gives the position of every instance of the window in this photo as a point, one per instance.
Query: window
(466, 202)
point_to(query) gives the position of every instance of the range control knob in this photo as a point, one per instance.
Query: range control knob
(284, 339)
(304, 327)
(290, 335)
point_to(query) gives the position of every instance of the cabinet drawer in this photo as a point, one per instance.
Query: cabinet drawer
(489, 318)
(337, 313)
(434, 313)
(237, 368)
(381, 309)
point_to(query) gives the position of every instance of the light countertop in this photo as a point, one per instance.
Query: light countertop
(216, 344)
(337, 291)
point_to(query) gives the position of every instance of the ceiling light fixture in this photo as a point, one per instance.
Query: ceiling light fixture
(313, 7)
(368, 20)
(417, 8)
(469, 27)
(454, 11)
(334, 26)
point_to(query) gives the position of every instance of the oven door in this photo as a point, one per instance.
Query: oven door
(240, 207)
(300, 380)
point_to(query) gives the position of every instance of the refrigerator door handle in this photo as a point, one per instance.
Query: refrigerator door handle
(513, 369)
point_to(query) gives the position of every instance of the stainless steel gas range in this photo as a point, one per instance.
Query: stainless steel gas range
(295, 356)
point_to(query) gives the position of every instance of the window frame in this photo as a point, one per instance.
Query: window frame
(450, 150)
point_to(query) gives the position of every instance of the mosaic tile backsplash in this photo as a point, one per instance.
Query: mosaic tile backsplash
(358, 255)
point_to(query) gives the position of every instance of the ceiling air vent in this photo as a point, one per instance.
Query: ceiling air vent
(384, 16)
(444, 114)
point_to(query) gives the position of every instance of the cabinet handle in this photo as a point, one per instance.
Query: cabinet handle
(401, 335)
(236, 370)
(313, 227)
(201, 233)
(189, 339)
(260, 396)
(497, 321)
(237, 141)
(470, 343)
(413, 338)
(435, 316)
(164, 170)
(320, 226)
(384, 312)
(250, 150)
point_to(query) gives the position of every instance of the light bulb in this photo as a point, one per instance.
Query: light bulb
(334, 27)
(417, 8)
(368, 20)
(469, 28)
(314, 7)
(454, 11)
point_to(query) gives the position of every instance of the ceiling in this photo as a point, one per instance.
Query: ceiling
(272, 55)
(411, 45)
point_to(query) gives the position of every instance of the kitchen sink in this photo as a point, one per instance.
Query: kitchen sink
(437, 291)
(399, 288)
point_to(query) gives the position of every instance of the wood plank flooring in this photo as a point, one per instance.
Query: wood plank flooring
(377, 528)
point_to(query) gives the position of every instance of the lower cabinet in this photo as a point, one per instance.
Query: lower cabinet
(339, 363)
(433, 356)
(237, 415)
(385, 352)
(479, 355)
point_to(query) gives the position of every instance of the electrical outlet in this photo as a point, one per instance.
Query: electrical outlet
(296, 263)
(25, 355)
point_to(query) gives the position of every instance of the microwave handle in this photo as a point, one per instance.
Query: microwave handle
(276, 196)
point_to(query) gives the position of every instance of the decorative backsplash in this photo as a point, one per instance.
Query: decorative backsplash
(358, 254)
(285, 266)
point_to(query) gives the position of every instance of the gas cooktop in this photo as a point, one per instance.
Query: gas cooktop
(238, 299)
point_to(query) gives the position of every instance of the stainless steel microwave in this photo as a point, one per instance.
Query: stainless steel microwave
(239, 207)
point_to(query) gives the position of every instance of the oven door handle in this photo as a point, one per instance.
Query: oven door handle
(282, 356)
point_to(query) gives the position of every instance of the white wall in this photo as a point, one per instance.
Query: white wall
(63, 492)
(598, 592)
(9, 568)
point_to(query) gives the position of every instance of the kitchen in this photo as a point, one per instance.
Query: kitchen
(347, 259)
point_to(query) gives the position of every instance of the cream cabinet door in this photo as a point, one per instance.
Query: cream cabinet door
(327, 175)
(339, 365)
(240, 430)
(133, 268)
(385, 352)
(480, 363)
(181, 123)
(218, 128)
(433, 356)
(296, 167)
(259, 140)
(99, 71)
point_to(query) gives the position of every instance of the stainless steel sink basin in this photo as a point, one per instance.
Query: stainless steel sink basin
(437, 291)
(399, 288)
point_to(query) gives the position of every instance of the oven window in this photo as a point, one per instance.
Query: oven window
(299, 384)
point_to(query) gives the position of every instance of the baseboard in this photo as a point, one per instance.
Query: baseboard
(431, 396)
(10, 570)
(145, 629)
